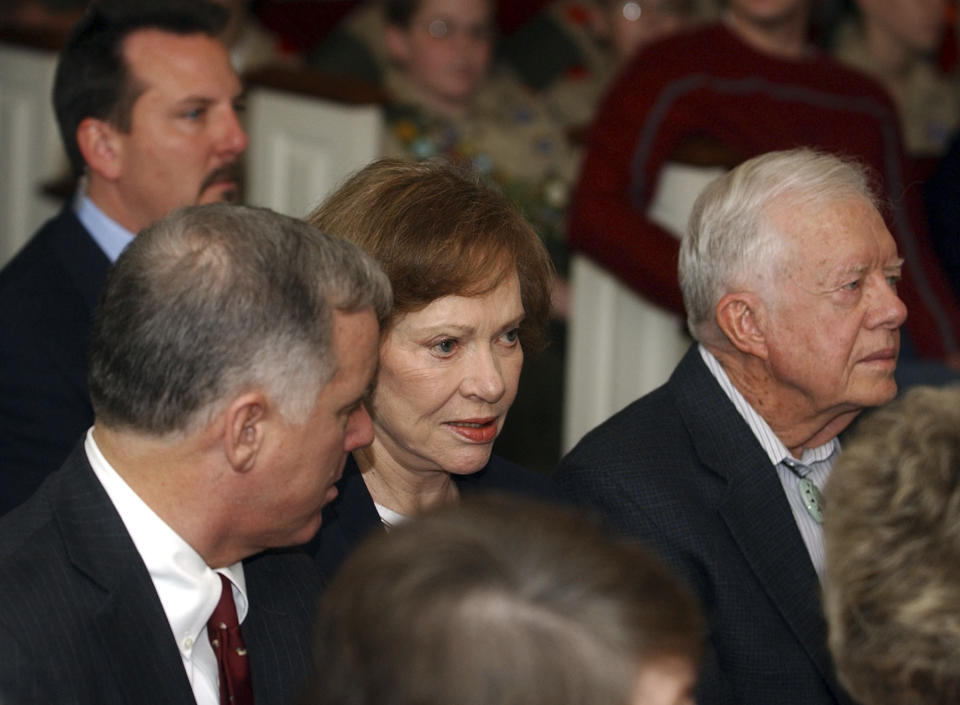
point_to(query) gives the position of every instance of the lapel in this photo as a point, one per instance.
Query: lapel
(283, 586)
(754, 507)
(80, 257)
(346, 521)
(138, 646)
(354, 509)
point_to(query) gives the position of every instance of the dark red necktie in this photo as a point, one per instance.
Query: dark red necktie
(227, 643)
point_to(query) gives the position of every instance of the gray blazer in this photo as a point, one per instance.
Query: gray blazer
(81, 623)
(680, 470)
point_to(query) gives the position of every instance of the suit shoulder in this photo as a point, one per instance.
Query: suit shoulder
(33, 559)
(25, 529)
(647, 438)
(636, 425)
(53, 280)
(39, 252)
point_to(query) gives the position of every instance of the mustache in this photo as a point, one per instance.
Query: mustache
(232, 171)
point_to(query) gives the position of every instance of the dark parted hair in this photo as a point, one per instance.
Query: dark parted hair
(892, 540)
(498, 600)
(92, 77)
(437, 231)
(214, 300)
(400, 12)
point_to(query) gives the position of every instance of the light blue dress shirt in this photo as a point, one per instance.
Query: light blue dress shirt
(112, 237)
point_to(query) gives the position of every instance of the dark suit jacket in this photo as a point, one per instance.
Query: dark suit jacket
(681, 471)
(352, 515)
(81, 623)
(48, 292)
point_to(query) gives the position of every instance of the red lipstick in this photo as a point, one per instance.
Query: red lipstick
(475, 430)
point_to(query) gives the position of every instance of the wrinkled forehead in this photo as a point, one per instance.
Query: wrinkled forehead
(823, 235)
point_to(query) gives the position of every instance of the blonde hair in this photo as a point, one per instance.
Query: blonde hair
(892, 537)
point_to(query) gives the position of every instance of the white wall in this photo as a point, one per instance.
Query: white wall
(30, 148)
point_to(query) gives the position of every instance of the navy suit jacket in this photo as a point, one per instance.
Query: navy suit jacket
(351, 516)
(681, 471)
(81, 623)
(48, 293)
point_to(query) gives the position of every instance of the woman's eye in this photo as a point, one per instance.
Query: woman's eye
(852, 286)
(511, 336)
(445, 346)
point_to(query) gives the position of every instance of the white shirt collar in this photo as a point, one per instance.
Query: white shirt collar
(771, 443)
(188, 588)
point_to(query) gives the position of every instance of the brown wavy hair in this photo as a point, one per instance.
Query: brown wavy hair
(438, 231)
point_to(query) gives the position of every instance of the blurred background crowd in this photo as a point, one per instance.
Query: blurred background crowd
(513, 87)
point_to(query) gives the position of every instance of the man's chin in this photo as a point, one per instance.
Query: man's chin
(883, 391)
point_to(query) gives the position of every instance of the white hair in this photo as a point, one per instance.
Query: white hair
(730, 240)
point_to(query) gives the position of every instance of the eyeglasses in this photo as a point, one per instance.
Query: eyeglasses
(632, 10)
(441, 28)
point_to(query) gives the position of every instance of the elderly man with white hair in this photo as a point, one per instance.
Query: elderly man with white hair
(789, 279)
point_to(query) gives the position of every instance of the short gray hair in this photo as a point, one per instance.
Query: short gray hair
(216, 299)
(730, 237)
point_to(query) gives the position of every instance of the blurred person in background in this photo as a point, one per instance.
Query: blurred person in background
(572, 49)
(148, 106)
(504, 601)
(896, 42)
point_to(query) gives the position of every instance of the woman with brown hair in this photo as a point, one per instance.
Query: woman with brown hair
(471, 283)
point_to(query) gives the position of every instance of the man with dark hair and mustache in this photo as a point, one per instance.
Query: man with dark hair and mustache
(147, 105)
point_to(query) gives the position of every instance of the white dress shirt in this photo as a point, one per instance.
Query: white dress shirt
(188, 588)
(815, 463)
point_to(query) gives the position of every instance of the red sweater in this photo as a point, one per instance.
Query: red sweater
(709, 84)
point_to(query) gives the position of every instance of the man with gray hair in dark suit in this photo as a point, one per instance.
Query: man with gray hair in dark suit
(231, 353)
(789, 281)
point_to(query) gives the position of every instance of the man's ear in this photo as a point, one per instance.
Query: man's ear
(244, 430)
(742, 318)
(398, 46)
(101, 145)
